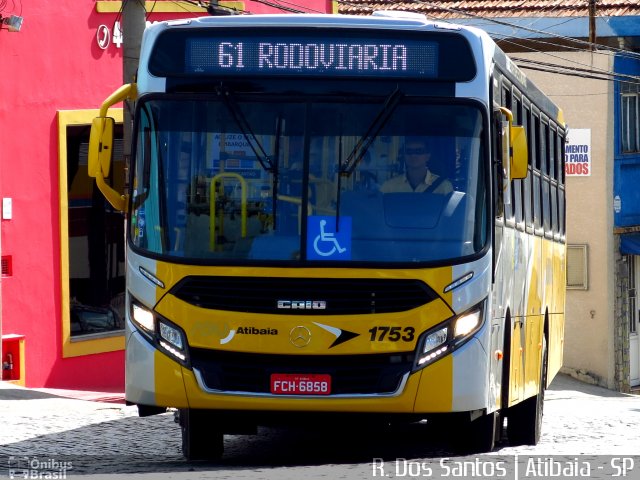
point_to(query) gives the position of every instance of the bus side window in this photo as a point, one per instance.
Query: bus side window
(561, 187)
(496, 139)
(536, 180)
(526, 183)
(509, 207)
(553, 170)
(546, 184)
(516, 190)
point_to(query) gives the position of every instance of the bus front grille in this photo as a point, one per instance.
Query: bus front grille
(350, 375)
(323, 296)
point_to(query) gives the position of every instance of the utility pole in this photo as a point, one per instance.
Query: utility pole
(133, 24)
(592, 24)
(215, 10)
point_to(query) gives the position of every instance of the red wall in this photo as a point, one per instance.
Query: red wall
(53, 63)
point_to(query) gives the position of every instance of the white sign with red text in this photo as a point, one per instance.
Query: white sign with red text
(577, 153)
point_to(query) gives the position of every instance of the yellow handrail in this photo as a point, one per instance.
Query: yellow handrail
(212, 206)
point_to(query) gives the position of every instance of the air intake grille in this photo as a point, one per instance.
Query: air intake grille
(341, 296)
(350, 375)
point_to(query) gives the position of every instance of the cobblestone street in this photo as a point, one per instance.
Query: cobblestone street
(106, 439)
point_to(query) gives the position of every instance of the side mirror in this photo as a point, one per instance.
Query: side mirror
(515, 150)
(519, 152)
(100, 146)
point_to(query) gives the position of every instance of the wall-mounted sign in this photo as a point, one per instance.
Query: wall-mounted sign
(103, 37)
(577, 153)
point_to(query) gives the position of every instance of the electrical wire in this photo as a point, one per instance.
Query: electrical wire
(118, 17)
(147, 14)
(179, 4)
(280, 7)
(301, 8)
(600, 50)
(508, 40)
(576, 72)
(548, 14)
(465, 13)
(596, 72)
(590, 72)
(201, 4)
(3, 7)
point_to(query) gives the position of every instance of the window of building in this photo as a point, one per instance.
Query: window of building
(92, 243)
(630, 132)
(577, 277)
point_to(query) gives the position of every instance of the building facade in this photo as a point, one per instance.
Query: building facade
(62, 284)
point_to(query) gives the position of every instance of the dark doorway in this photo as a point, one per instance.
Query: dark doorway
(96, 242)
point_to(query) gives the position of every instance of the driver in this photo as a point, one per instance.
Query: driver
(417, 176)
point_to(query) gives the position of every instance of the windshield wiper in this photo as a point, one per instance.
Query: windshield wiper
(265, 160)
(364, 142)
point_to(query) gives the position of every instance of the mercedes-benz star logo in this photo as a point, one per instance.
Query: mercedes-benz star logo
(300, 336)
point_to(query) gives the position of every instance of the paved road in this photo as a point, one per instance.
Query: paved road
(52, 434)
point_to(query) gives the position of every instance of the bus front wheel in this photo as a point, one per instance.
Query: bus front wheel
(480, 435)
(524, 420)
(200, 438)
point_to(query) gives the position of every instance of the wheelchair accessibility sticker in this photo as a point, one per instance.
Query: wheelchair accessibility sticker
(325, 242)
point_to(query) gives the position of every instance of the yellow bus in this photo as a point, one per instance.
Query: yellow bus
(333, 217)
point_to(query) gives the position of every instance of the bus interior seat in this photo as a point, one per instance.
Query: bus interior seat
(406, 228)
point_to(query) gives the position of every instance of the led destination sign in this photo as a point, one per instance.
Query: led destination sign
(281, 56)
(327, 53)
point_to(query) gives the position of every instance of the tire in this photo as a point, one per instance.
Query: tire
(200, 439)
(524, 424)
(480, 435)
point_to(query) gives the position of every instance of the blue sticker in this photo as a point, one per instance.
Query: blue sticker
(325, 242)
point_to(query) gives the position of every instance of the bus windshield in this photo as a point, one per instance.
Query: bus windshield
(248, 179)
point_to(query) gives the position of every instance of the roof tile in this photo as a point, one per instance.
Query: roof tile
(495, 8)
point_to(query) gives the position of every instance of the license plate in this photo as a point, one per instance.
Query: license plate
(300, 384)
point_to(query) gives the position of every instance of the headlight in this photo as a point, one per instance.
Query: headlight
(436, 339)
(171, 335)
(142, 318)
(172, 340)
(164, 335)
(467, 323)
(446, 337)
(434, 345)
